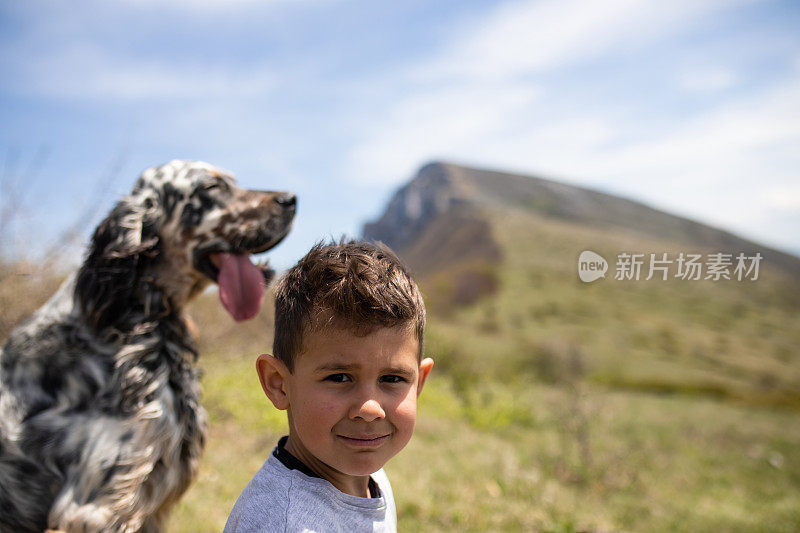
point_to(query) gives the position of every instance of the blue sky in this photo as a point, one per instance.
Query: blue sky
(690, 106)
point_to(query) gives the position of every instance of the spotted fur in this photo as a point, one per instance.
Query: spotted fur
(100, 423)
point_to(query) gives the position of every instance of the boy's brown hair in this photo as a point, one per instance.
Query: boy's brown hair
(355, 285)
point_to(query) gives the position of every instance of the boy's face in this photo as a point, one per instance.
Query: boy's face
(352, 401)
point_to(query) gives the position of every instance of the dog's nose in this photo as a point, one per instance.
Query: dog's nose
(286, 199)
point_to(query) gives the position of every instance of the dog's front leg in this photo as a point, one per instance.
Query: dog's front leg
(128, 472)
(102, 496)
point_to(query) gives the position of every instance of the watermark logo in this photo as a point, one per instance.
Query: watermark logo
(591, 266)
(684, 266)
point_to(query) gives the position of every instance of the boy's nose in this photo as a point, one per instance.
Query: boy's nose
(368, 409)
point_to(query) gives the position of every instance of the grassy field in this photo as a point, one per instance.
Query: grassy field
(560, 406)
(526, 455)
(554, 405)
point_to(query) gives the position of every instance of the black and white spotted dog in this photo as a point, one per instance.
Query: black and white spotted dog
(100, 425)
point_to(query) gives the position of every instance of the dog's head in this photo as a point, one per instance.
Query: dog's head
(184, 225)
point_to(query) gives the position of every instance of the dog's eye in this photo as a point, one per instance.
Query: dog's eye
(218, 185)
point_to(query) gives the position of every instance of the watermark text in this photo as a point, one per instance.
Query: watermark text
(631, 266)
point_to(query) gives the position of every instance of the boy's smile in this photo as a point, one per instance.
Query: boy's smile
(351, 400)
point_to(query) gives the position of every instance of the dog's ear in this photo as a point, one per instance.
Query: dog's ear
(127, 231)
(109, 282)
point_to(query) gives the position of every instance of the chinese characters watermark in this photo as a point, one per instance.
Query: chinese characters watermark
(663, 266)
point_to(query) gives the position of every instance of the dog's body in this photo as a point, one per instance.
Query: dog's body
(100, 423)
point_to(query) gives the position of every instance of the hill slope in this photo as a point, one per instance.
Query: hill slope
(655, 405)
(497, 255)
(440, 189)
(554, 405)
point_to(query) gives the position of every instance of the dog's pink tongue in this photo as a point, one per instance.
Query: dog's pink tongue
(241, 285)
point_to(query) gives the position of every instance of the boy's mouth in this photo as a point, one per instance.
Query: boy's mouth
(364, 441)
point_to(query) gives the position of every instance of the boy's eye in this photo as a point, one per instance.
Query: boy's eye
(392, 378)
(338, 378)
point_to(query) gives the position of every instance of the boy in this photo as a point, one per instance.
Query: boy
(348, 368)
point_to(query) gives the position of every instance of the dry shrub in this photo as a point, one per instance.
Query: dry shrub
(24, 287)
(461, 287)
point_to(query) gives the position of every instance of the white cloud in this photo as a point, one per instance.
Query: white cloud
(531, 36)
(437, 123)
(712, 79)
(213, 6)
(710, 167)
(711, 147)
(493, 95)
(89, 72)
(469, 98)
(785, 198)
(470, 104)
(217, 4)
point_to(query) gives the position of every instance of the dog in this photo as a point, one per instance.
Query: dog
(100, 423)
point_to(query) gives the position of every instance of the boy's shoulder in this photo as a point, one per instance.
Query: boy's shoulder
(263, 504)
(281, 499)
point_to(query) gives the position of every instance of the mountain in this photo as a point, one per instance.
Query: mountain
(496, 255)
(444, 190)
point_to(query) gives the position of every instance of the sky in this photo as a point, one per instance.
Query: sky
(692, 107)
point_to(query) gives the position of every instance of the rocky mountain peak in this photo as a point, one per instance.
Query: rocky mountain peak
(462, 195)
(432, 192)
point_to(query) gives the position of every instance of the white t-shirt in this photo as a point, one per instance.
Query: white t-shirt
(280, 499)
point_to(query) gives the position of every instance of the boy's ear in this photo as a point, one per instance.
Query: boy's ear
(424, 369)
(273, 374)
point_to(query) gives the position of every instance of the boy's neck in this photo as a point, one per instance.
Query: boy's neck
(353, 485)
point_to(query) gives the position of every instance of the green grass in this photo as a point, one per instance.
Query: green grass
(560, 406)
(554, 405)
(532, 456)
(737, 336)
